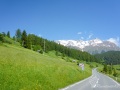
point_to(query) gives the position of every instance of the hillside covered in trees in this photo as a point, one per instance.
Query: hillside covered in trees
(42, 45)
(110, 57)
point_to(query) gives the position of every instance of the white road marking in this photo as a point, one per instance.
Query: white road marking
(93, 81)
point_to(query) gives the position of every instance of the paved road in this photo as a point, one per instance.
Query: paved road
(97, 81)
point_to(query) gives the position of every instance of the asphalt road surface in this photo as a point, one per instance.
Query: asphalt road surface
(97, 81)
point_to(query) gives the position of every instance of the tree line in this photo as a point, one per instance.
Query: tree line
(109, 57)
(109, 69)
(40, 44)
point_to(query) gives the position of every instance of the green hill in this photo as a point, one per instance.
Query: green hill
(110, 57)
(24, 69)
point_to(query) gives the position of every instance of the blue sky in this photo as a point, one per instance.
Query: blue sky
(62, 19)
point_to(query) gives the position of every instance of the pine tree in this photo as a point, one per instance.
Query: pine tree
(8, 34)
(105, 68)
(29, 42)
(56, 53)
(114, 73)
(110, 69)
(1, 37)
(24, 39)
(18, 35)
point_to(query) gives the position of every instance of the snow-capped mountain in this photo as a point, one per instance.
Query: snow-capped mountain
(92, 46)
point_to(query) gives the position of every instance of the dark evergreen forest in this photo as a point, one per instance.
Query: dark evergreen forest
(110, 57)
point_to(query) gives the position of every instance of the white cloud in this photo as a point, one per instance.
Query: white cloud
(115, 40)
(85, 35)
(89, 37)
(79, 33)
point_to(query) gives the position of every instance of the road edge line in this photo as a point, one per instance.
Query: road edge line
(76, 83)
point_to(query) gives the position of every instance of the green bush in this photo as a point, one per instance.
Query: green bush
(1, 38)
(115, 73)
(96, 65)
(41, 51)
(7, 41)
(36, 47)
(91, 66)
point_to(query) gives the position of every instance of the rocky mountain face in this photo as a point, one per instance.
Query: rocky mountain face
(94, 46)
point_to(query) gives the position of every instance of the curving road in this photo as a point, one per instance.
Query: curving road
(97, 81)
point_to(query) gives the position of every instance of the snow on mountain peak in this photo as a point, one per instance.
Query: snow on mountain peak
(91, 46)
(114, 40)
(82, 44)
(79, 43)
(97, 40)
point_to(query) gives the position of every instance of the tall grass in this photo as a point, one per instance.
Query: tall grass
(23, 69)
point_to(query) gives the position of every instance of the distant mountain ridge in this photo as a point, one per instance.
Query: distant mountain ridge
(94, 46)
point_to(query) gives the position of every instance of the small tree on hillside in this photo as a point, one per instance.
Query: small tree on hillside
(114, 73)
(8, 34)
(1, 37)
(18, 35)
(105, 68)
(3, 33)
(24, 39)
(110, 69)
(56, 53)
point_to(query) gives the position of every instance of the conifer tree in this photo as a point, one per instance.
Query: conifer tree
(1, 37)
(24, 39)
(114, 73)
(105, 68)
(18, 35)
(8, 34)
(110, 69)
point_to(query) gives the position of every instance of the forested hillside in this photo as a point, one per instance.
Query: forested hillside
(111, 57)
(25, 66)
(42, 45)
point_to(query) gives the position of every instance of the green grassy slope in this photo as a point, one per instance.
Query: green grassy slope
(23, 69)
(11, 41)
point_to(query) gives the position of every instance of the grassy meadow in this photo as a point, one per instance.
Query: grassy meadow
(23, 69)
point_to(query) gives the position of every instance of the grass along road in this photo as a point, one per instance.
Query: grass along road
(23, 69)
(116, 67)
(97, 81)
